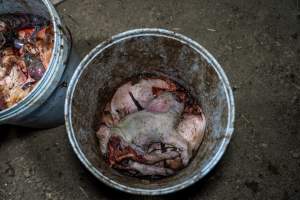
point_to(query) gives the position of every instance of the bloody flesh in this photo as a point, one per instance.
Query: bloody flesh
(26, 43)
(151, 127)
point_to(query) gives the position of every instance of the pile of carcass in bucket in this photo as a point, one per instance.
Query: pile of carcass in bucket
(26, 43)
(151, 128)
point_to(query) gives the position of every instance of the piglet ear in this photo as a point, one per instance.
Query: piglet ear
(158, 106)
(103, 134)
(164, 103)
(136, 103)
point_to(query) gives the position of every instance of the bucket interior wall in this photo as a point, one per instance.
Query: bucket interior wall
(36, 7)
(148, 54)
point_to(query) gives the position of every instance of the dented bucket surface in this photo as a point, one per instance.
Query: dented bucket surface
(43, 107)
(153, 51)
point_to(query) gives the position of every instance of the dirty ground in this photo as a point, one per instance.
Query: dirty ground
(257, 43)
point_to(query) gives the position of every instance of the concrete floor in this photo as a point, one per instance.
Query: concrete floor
(258, 44)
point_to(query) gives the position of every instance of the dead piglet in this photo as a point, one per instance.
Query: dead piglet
(140, 130)
(157, 140)
(131, 97)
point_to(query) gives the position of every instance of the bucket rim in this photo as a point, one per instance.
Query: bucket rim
(160, 33)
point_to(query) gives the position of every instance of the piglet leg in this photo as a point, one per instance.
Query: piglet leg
(148, 170)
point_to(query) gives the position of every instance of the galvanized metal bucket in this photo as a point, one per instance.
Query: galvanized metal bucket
(43, 107)
(148, 51)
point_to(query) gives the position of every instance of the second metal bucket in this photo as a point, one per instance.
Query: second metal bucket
(43, 106)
